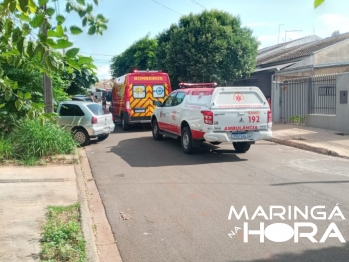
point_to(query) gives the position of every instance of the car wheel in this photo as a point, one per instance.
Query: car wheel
(241, 147)
(81, 136)
(102, 137)
(215, 143)
(156, 130)
(124, 124)
(187, 141)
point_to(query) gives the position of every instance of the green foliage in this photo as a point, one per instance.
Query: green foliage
(79, 80)
(297, 120)
(62, 239)
(30, 92)
(22, 18)
(211, 46)
(37, 139)
(317, 3)
(140, 54)
(6, 148)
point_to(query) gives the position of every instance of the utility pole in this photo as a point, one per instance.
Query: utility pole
(279, 33)
(48, 97)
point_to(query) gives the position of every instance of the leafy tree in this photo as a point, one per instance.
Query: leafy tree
(29, 87)
(140, 54)
(79, 80)
(317, 3)
(30, 30)
(211, 46)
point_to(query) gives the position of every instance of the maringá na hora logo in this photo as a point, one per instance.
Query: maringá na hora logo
(287, 230)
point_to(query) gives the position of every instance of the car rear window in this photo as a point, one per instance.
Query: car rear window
(200, 97)
(239, 99)
(98, 110)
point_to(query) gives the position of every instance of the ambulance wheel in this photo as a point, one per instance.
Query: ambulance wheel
(241, 147)
(156, 130)
(187, 141)
(124, 124)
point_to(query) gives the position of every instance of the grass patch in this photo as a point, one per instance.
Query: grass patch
(31, 141)
(62, 239)
(6, 148)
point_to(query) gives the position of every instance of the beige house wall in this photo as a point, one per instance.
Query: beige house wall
(333, 54)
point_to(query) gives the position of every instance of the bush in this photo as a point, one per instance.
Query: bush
(31, 139)
(6, 148)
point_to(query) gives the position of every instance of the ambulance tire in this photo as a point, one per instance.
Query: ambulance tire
(187, 141)
(124, 124)
(156, 130)
(241, 147)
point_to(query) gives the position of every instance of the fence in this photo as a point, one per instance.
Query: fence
(309, 95)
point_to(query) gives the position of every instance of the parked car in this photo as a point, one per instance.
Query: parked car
(86, 120)
(204, 112)
(82, 98)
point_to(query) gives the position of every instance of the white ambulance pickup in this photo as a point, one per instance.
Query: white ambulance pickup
(204, 112)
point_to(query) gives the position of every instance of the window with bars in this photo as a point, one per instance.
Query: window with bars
(327, 91)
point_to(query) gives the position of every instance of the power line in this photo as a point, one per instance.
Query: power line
(167, 7)
(195, 2)
(59, 8)
(55, 3)
(95, 54)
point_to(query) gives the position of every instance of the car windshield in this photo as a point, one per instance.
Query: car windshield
(98, 110)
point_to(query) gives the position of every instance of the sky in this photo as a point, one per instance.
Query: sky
(270, 20)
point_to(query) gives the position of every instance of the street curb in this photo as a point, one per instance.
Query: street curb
(86, 221)
(306, 147)
(103, 238)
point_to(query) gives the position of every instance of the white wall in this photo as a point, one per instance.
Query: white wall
(342, 110)
(275, 102)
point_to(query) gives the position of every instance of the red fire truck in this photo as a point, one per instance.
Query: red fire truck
(134, 95)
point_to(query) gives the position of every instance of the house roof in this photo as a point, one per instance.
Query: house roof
(265, 59)
(273, 68)
(297, 52)
(271, 48)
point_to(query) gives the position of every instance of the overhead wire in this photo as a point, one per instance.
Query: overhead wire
(195, 2)
(96, 54)
(167, 7)
(59, 8)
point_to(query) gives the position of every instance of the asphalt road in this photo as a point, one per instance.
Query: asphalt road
(176, 206)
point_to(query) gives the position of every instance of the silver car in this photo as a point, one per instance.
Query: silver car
(86, 120)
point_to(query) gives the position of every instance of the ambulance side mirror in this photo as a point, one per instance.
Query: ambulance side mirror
(158, 103)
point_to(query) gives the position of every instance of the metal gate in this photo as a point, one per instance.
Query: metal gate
(309, 95)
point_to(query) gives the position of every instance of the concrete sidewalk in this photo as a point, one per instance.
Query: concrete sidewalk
(317, 140)
(25, 194)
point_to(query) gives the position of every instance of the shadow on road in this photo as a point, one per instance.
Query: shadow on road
(118, 130)
(337, 254)
(146, 152)
(133, 128)
(311, 182)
